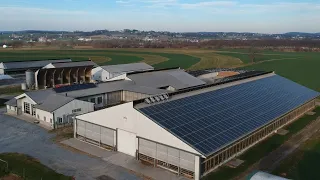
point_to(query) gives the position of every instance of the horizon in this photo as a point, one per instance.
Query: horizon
(242, 16)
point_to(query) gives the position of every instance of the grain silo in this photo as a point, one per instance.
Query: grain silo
(30, 79)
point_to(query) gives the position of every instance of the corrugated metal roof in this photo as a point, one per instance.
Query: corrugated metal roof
(53, 102)
(74, 64)
(126, 68)
(264, 176)
(31, 64)
(114, 86)
(176, 78)
(39, 96)
(11, 102)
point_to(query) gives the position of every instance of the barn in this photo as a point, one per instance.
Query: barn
(19, 67)
(119, 71)
(193, 131)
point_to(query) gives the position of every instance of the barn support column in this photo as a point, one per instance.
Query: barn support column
(53, 74)
(61, 76)
(77, 75)
(197, 168)
(75, 127)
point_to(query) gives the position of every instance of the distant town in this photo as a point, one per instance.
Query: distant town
(43, 36)
(128, 38)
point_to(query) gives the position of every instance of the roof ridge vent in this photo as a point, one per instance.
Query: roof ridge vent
(157, 98)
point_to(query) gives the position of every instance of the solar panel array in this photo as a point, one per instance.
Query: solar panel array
(74, 87)
(212, 120)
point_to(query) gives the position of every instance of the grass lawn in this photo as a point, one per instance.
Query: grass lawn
(304, 71)
(20, 164)
(262, 149)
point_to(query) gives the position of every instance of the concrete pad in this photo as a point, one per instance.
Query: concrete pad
(31, 120)
(282, 132)
(123, 160)
(310, 113)
(234, 163)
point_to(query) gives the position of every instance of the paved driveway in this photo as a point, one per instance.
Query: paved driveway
(22, 137)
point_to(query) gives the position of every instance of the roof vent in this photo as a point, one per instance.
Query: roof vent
(156, 98)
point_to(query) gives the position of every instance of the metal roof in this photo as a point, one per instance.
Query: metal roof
(73, 64)
(176, 78)
(31, 64)
(114, 86)
(126, 68)
(11, 102)
(40, 95)
(215, 118)
(53, 102)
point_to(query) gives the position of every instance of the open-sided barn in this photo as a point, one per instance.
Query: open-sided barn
(198, 129)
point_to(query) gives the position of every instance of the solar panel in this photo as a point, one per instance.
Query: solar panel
(74, 87)
(212, 120)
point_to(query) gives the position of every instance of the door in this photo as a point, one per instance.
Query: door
(126, 142)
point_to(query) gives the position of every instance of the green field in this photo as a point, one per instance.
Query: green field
(301, 67)
(263, 148)
(28, 167)
(304, 70)
(116, 56)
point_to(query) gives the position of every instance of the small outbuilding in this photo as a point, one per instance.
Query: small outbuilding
(116, 72)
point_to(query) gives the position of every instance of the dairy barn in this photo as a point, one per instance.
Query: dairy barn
(20, 67)
(193, 131)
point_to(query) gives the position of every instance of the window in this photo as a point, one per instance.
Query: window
(99, 100)
(26, 107)
(76, 110)
(59, 120)
(50, 120)
(93, 100)
(44, 118)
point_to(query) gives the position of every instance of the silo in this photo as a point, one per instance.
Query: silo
(30, 79)
(23, 86)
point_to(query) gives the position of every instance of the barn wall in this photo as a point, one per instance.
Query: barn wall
(125, 117)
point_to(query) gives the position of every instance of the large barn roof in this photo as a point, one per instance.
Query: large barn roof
(213, 118)
(53, 102)
(31, 63)
(175, 78)
(72, 64)
(125, 68)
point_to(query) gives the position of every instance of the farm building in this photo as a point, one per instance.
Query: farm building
(116, 72)
(100, 95)
(49, 108)
(19, 67)
(195, 130)
(63, 73)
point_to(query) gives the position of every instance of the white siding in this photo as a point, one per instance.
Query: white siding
(1, 71)
(125, 117)
(75, 104)
(26, 99)
(44, 117)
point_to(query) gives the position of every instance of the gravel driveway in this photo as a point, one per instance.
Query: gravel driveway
(22, 137)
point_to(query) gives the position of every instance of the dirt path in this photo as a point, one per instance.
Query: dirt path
(259, 62)
(271, 161)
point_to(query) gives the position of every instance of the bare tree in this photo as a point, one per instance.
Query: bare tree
(17, 44)
(254, 54)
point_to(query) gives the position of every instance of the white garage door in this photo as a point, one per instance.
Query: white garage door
(95, 133)
(126, 142)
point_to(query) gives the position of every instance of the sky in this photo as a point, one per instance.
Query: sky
(263, 16)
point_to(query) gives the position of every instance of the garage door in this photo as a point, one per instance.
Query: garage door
(167, 157)
(96, 134)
